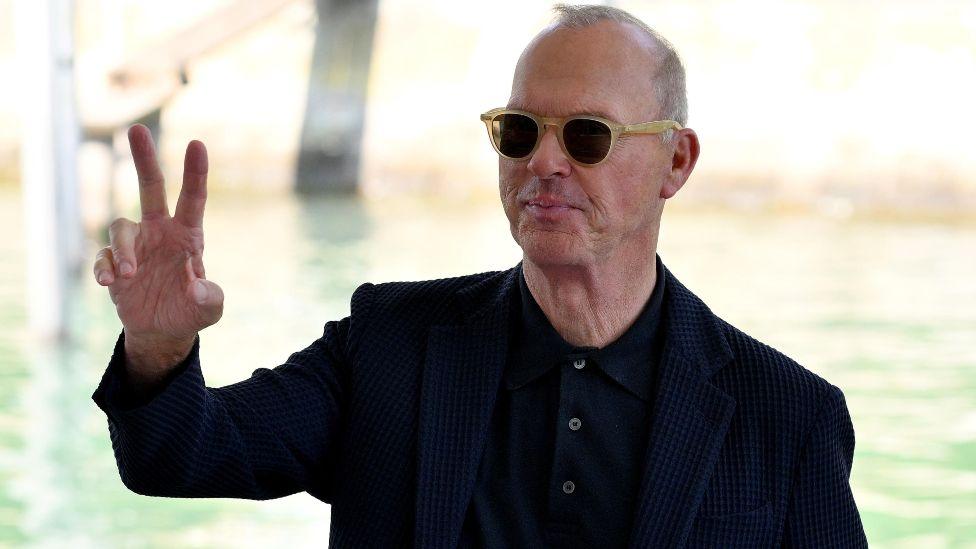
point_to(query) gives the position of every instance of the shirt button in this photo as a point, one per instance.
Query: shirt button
(575, 424)
(568, 487)
(579, 363)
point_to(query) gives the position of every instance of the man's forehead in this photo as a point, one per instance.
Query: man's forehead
(605, 70)
(548, 98)
(553, 107)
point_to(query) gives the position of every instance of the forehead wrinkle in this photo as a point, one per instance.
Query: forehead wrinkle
(550, 108)
(545, 100)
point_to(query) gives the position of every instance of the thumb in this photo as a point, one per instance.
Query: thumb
(210, 297)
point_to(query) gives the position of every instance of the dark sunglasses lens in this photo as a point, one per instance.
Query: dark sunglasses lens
(587, 140)
(514, 134)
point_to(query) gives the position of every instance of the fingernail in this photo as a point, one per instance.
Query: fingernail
(125, 267)
(199, 292)
(103, 277)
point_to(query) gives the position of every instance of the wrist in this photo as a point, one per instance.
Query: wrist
(149, 359)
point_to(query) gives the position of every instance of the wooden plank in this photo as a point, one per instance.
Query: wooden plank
(147, 79)
(173, 52)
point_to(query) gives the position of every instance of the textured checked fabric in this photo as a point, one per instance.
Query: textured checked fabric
(385, 417)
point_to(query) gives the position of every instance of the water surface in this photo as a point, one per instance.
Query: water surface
(884, 310)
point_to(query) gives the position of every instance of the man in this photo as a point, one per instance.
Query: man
(583, 398)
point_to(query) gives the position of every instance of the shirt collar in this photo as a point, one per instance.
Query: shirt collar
(627, 360)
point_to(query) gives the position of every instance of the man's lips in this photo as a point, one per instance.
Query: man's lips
(548, 209)
(548, 202)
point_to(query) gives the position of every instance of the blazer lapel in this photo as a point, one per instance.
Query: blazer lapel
(462, 372)
(689, 424)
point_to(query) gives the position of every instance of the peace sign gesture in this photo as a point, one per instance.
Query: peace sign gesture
(154, 268)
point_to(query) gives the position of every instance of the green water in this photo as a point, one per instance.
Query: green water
(884, 310)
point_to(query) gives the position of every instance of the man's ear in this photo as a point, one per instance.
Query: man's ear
(683, 160)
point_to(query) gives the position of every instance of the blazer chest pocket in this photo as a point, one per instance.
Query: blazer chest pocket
(752, 529)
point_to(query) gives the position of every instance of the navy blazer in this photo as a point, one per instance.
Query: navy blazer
(385, 417)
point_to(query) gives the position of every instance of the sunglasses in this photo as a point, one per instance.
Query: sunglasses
(587, 140)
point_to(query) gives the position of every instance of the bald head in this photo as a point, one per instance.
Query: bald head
(610, 44)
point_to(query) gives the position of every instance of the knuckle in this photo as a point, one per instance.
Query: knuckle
(118, 253)
(118, 225)
(103, 259)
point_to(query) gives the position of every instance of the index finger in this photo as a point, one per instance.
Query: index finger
(152, 192)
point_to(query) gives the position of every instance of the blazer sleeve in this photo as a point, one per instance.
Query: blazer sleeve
(822, 511)
(272, 435)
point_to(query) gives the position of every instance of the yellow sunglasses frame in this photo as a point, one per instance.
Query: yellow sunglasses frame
(616, 130)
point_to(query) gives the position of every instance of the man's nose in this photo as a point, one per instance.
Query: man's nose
(549, 160)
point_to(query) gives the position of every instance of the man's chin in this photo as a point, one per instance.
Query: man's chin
(544, 248)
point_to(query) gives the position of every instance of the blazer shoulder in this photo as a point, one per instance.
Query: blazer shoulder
(419, 301)
(772, 370)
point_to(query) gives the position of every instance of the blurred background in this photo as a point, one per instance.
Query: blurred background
(832, 215)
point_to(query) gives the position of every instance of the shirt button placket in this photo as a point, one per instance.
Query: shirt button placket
(575, 423)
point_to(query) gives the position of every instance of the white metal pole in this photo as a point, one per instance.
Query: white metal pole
(45, 49)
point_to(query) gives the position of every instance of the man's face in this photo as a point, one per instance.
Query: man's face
(613, 209)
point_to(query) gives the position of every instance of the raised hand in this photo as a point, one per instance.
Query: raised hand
(154, 268)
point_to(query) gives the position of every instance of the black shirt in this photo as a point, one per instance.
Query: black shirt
(564, 455)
